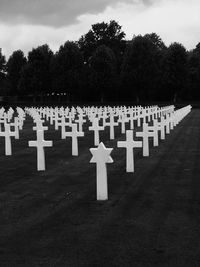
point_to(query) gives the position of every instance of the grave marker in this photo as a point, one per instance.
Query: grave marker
(129, 144)
(74, 134)
(101, 156)
(145, 136)
(40, 143)
(7, 134)
(112, 124)
(96, 128)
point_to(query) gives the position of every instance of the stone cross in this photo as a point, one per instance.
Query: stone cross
(101, 156)
(80, 122)
(70, 117)
(63, 126)
(58, 121)
(40, 143)
(167, 124)
(112, 124)
(154, 130)
(15, 124)
(96, 128)
(104, 116)
(171, 121)
(7, 134)
(39, 126)
(161, 126)
(131, 119)
(129, 144)
(74, 134)
(139, 116)
(123, 119)
(145, 136)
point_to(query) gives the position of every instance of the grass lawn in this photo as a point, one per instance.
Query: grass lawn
(52, 218)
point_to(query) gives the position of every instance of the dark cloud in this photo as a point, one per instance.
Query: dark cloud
(55, 13)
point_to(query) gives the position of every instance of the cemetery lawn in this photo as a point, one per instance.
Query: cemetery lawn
(52, 218)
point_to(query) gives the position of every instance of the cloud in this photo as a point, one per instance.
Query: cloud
(173, 20)
(26, 37)
(56, 13)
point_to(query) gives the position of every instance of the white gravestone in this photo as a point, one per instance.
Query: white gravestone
(112, 124)
(167, 124)
(74, 134)
(96, 128)
(123, 119)
(161, 126)
(129, 144)
(64, 124)
(131, 119)
(80, 121)
(40, 143)
(101, 156)
(39, 126)
(7, 134)
(15, 124)
(145, 136)
(154, 130)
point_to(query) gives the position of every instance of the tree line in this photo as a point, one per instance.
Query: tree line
(103, 66)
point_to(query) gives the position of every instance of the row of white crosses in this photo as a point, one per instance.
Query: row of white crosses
(59, 116)
(5, 122)
(70, 114)
(40, 143)
(101, 155)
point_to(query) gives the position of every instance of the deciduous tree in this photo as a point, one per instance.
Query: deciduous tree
(14, 68)
(103, 74)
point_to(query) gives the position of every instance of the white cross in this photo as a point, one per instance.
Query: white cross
(20, 121)
(154, 130)
(96, 128)
(123, 119)
(70, 116)
(171, 121)
(167, 124)
(7, 134)
(80, 122)
(145, 134)
(131, 119)
(58, 121)
(40, 143)
(112, 124)
(74, 134)
(161, 126)
(16, 126)
(129, 144)
(39, 126)
(63, 126)
(101, 156)
(139, 116)
(104, 116)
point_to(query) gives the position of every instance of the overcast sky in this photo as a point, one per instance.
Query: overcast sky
(25, 24)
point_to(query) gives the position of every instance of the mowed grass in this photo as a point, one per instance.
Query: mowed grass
(64, 172)
(52, 218)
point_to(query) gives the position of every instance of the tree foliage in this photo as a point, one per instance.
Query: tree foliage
(175, 70)
(2, 73)
(35, 78)
(103, 73)
(109, 34)
(14, 67)
(140, 68)
(66, 69)
(103, 66)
